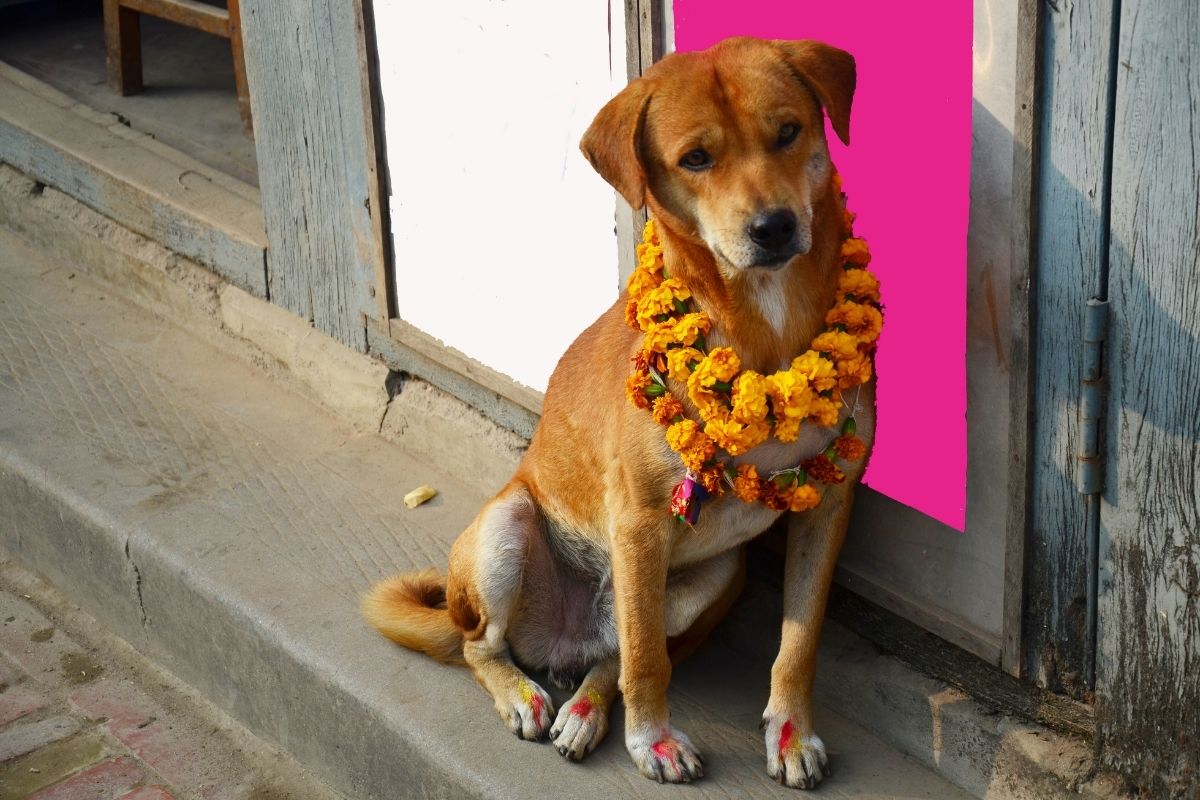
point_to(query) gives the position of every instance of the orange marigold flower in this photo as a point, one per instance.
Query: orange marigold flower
(820, 468)
(854, 371)
(804, 497)
(747, 485)
(679, 361)
(635, 388)
(860, 319)
(712, 479)
(649, 232)
(856, 252)
(692, 444)
(849, 448)
(666, 409)
(641, 281)
(775, 498)
(859, 283)
(631, 314)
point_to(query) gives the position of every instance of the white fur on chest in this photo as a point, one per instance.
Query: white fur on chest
(769, 296)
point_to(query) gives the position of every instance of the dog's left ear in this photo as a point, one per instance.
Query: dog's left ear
(611, 144)
(829, 73)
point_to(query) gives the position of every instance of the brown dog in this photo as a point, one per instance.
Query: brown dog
(576, 566)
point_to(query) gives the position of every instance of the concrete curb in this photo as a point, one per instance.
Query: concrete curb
(221, 615)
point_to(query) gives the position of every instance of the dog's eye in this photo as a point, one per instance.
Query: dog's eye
(788, 134)
(696, 160)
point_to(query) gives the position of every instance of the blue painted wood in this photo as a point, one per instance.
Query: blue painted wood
(311, 120)
(1069, 270)
(1148, 689)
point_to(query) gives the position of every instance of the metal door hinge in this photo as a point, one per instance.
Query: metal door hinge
(1089, 471)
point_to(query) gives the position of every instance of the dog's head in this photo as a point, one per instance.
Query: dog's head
(729, 144)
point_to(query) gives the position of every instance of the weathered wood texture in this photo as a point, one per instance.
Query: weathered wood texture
(405, 348)
(1070, 238)
(139, 183)
(1148, 670)
(1026, 149)
(303, 63)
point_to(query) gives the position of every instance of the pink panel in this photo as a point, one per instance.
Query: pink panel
(907, 174)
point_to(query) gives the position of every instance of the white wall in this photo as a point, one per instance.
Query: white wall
(503, 233)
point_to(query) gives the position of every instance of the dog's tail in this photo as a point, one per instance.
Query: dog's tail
(410, 610)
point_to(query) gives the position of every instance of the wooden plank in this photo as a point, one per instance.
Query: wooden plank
(407, 349)
(123, 48)
(134, 185)
(1026, 119)
(1148, 692)
(193, 14)
(1070, 237)
(310, 125)
(383, 289)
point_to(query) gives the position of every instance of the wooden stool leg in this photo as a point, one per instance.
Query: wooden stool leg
(239, 66)
(123, 43)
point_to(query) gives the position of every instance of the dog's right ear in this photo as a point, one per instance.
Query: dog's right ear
(611, 144)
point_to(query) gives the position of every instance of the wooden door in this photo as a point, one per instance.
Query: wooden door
(1148, 665)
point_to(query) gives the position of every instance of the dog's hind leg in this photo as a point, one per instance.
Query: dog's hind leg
(583, 721)
(495, 555)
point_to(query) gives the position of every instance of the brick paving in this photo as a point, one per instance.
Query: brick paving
(83, 717)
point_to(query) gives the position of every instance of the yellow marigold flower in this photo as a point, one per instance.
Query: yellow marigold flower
(819, 371)
(681, 434)
(691, 326)
(734, 437)
(824, 412)
(749, 397)
(658, 336)
(635, 386)
(708, 402)
(719, 365)
(854, 371)
(642, 281)
(804, 497)
(679, 360)
(746, 485)
(856, 252)
(790, 396)
(660, 300)
(692, 444)
(787, 430)
(649, 233)
(860, 283)
(839, 344)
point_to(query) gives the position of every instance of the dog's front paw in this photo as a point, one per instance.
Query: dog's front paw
(527, 710)
(793, 758)
(580, 725)
(666, 756)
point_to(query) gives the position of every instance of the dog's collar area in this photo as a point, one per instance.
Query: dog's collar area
(740, 409)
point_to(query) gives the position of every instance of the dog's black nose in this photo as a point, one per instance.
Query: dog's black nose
(772, 230)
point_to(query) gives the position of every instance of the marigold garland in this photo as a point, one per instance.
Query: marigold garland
(740, 409)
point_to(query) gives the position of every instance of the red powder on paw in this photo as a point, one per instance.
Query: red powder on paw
(664, 750)
(785, 736)
(538, 704)
(583, 708)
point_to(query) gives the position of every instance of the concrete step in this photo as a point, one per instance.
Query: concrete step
(225, 527)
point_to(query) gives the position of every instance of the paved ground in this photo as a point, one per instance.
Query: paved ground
(227, 527)
(84, 717)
